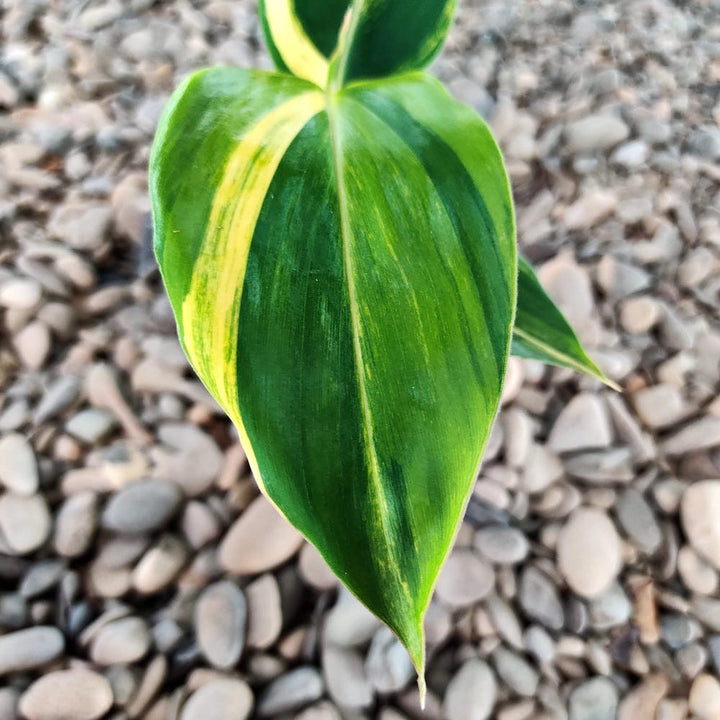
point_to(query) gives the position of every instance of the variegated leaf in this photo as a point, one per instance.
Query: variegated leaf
(342, 269)
(387, 36)
(542, 332)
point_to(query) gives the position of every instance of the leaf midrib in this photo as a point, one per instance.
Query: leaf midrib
(346, 234)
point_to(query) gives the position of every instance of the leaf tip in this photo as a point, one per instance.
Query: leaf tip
(422, 689)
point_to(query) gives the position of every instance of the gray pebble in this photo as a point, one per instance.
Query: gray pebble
(638, 520)
(707, 610)
(291, 691)
(388, 665)
(82, 225)
(220, 621)
(349, 622)
(471, 692)
(91, 425)
(501, 544)
(58, 397)
(611, 609)
(25, 522)
(41, 577)
(698, 435)
(584, 424)
(594, 133)
(595, 699)
(538, 643)
(631, 155)
(678, 630)
(705, 142)
(539, 599)
(614, 465)
(691, 660)
(18, 467)
(516, 672)
(505, 621)
(30, 649)
(8, 703)
(142, 507)
(14, 612)
(345, 678)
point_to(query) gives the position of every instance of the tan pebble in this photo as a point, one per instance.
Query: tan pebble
(660, 406)
(103, 392)
(228, 699)
(639, 315)
(25, 522)
(121, 642)
(314, 570)
(123, 550)
(514, 377)
(590, 209)
(264, 612)
(234, 463)
(199, 524)
(32, 345)
(325, 710)
(700, 510)
(160, 565)
(260, 540)
(108, 582)
(188, 457)
(161, 709)
(697, 574)
(704, 700)
(75, 524)
(78, 271)
(18, 466)
(464, 580)
(75, 694)
(291, 646)
(20, 294)
(642, 701)
(66, 449)
(153, 678)
(589, 552)
(645, 606)
(672, 709)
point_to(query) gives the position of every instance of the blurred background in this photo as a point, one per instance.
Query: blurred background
(142, 575)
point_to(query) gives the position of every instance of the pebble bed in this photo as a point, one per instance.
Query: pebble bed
(141, 573)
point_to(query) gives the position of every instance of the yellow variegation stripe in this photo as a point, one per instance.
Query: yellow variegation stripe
(211, 309)
(298, 52)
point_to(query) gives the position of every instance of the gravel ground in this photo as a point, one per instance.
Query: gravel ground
(142, 575)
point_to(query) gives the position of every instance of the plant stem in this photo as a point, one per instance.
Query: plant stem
(339, 61)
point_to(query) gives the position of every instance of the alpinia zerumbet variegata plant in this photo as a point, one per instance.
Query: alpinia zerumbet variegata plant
(337, 240)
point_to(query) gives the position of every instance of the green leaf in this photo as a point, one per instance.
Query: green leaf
(387, 36)
(542, 332)
(342, 269)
